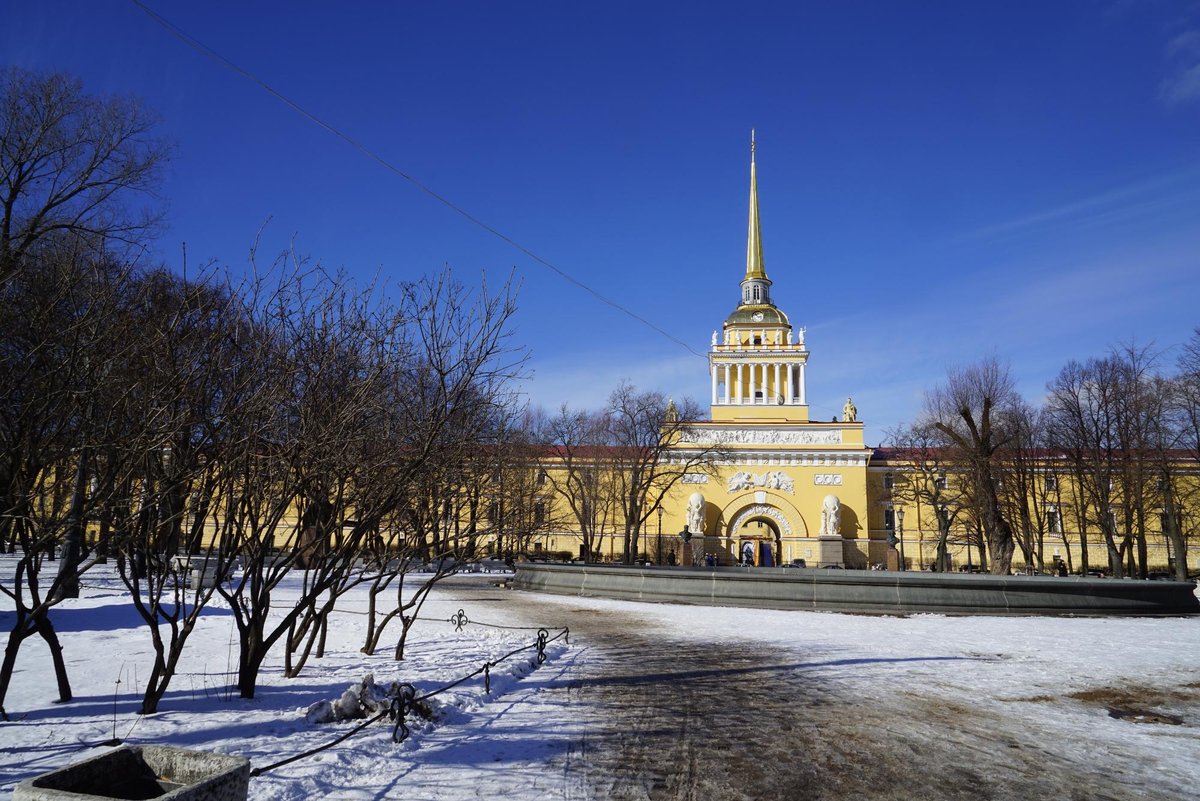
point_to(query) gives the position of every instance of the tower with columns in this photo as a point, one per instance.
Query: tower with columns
(757, 362)
(786, 489)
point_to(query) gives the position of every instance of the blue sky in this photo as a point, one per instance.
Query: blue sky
(938, 180)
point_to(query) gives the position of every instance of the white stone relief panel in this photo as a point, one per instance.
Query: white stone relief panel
(827, 479)
(761, 510)
(695, 478)
(721, 436)
(774, 479)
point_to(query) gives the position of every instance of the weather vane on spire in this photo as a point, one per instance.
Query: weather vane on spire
(751, 144)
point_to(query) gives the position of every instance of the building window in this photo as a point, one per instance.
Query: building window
(539, 513)
(493, 512)
(1053, 522)
(889, 481)
(889, 518)
(541, 477)
(939, 482)
(1051, 483)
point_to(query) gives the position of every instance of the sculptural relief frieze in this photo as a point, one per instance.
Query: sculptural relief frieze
(773, 479)
(761, 510)
(720, 436)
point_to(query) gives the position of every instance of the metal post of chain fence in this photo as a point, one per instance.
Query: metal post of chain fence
(401, 702)
(405, 696)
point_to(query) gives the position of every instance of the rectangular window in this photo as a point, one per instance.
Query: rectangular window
(889, 519)
(541, 478)
(939, 482)
(1051, 483)
(1053, 522)
(493, 512)
(889, 481)
(539, 513)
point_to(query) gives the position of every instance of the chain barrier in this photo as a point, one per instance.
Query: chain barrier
(401, 702)
(404, 697)
(460, 620)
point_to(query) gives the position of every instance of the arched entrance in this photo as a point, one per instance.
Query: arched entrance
(757, 534)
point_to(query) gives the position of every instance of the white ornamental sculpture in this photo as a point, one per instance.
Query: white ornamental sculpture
(695, 513)
(831, 517)
(775, 480)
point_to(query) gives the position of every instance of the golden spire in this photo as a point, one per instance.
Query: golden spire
(754, 256)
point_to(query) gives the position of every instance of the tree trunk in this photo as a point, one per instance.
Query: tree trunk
(72, 550)
(16, 636)
(45, 628)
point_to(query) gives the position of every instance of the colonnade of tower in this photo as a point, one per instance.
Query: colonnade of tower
(756, 361)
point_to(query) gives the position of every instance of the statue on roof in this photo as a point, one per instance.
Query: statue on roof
(849, 411)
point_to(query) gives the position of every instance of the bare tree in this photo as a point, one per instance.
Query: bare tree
(1179, 441)
(580, 471)
(644, 432)
(969, 410)
(61, 345)
(1083, 403)
(361, 389)
(1027, 483)
(185, 383)
(73, 167)
(931, 480)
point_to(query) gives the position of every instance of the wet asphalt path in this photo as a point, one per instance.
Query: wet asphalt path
(664, 718)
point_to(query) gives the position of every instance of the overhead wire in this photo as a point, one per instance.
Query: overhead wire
(208, 52)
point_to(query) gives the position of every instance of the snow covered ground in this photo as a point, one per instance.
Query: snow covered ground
(653, 701)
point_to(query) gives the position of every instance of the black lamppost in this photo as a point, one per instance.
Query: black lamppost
(970, 568)
(658, 550)
(900, 536)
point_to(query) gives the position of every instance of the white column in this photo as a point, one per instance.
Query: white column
(803, 398)
(738, 385)
(714, 384)
(791, 378)
(778, 373)
(726, 382)
(753, 380)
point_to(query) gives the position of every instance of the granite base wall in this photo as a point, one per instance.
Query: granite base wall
(864, 591)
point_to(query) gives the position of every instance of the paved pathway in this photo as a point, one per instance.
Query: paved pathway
(656, 717)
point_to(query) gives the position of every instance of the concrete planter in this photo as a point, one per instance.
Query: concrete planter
(151, 771)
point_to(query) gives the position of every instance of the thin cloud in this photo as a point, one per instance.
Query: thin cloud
(1128, 202)
(1182, 87)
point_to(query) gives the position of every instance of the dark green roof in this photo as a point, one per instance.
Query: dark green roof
(743, 315)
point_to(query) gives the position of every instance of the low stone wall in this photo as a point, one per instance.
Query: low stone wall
(865, 591)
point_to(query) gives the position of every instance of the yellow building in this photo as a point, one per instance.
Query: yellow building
(785, 489)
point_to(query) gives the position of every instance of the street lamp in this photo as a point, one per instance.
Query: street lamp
(658, 550)
(900, 536)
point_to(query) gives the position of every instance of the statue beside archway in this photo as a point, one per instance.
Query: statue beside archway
(831, 517)
(695, 513)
